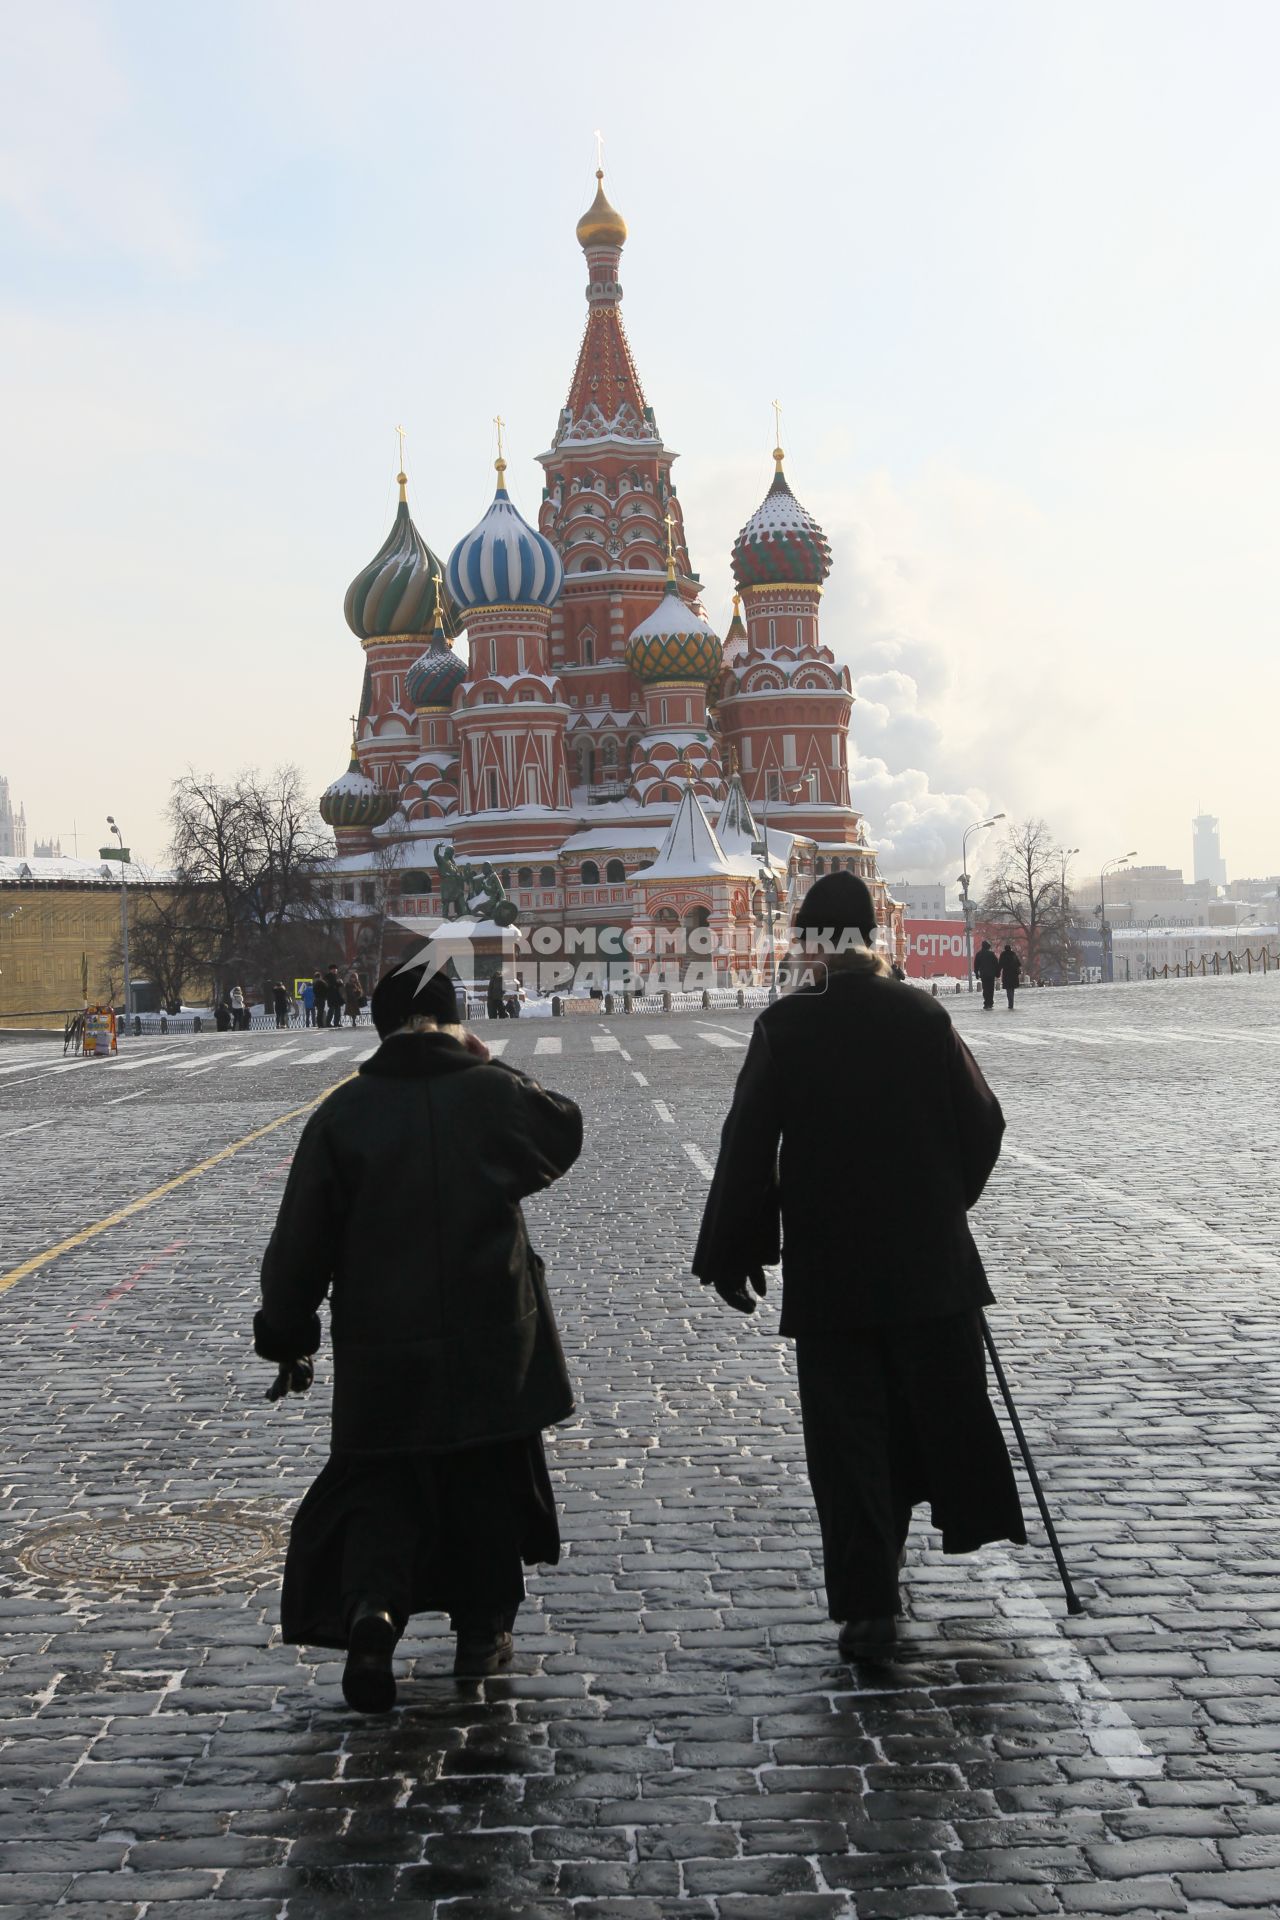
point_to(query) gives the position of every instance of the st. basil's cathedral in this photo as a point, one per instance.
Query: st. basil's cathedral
(593, 743)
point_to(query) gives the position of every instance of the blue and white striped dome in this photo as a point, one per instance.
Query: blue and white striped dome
(503, 562)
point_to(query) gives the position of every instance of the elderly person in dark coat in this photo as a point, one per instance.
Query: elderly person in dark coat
(887, 1132)
(987, 968)
(403, 1206)
(1010, 971)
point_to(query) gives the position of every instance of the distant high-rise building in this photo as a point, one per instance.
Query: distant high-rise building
(1206, 851)
(13, 826)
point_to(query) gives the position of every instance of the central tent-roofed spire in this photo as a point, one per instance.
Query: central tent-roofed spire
(605, 399)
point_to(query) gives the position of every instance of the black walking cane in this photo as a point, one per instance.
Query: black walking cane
(1074, 1604)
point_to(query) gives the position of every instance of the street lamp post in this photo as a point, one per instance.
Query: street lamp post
(975, 826)
(124, 919)
(1065, 946)
(1109, 866)
(1062, 889)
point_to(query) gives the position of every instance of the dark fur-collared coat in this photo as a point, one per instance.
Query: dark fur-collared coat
(861, 1132)
(403, 1208)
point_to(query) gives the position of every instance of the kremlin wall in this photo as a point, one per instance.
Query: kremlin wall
(552, 705)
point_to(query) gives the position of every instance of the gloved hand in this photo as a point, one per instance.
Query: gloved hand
(734, 1292)
(295, 1376)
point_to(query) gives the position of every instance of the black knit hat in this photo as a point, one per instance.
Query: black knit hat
(405, 994)
(836, 903)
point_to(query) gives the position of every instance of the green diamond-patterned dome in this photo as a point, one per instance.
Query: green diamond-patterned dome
(673, 642)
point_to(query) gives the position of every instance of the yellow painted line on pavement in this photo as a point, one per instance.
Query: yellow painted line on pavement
(145, 1200)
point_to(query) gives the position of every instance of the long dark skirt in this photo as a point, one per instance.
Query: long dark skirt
(894, 1416)
(418, 1533)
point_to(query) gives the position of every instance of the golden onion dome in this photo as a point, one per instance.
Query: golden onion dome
(601, 224)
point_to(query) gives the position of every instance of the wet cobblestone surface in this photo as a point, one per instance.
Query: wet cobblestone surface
(677, 1737)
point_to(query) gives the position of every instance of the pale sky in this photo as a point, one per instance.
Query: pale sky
(1011, 270)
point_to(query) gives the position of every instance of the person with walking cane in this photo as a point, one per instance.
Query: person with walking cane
(883, 1286)
(403, 1206)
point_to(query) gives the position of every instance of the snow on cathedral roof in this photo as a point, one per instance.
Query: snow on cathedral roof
(690, 850)
(736, 827)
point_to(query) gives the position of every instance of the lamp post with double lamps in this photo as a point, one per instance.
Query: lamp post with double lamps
(975, 826)
(1109, 866)
(1064, 854)
(123, 857)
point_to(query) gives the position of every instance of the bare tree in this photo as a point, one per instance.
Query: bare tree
(168, 941)
(1027, 894)
(251, 859)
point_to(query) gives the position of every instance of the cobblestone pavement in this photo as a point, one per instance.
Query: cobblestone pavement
(678, 1737)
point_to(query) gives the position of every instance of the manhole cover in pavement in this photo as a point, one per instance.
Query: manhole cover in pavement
(193, 1544)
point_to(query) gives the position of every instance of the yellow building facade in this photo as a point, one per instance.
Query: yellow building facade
(60, 938)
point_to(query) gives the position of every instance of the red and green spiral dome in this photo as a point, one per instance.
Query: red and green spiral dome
(782, 544)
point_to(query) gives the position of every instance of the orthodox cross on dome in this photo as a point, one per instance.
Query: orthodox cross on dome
(599, 139)
(402, 478)
(439, 607)
(500, 465)
(777, 430)
(671, 545)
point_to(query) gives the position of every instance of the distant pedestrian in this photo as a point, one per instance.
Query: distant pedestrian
(446, 1360)
(240, 1015)
(333, 995)
(495, 1001)
(987, 967)
(308, 1004)
(882, 1286)
(353, 997)
(320, 988)
(222, 1015)
(1010, 972)
(281, 1001)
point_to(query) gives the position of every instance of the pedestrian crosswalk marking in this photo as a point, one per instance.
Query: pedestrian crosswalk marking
(605, 1043)
(496, 1048)
(369, 1053)
(548, 1044)
(132, 1066)
(662, 1043)
(265, 1059)
(638, 1077)
(699, 1160)
(664, 1112)
(720, 1040)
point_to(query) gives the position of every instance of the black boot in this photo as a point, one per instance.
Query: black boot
(872, 1640)
(484, 1645)
(368, 1683)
